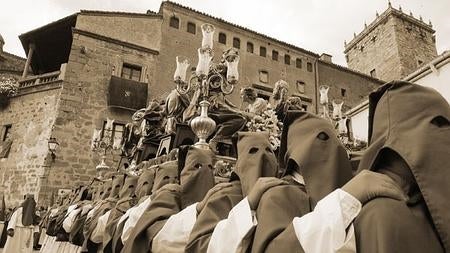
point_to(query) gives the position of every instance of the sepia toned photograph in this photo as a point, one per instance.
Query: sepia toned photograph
(238, 126)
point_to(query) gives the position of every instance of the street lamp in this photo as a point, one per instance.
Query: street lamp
(208, 75)
(52, 146)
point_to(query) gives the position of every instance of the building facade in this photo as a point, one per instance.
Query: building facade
(95, 65)
(393, 46)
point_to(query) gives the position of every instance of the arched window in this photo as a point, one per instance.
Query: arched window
(191, 27)
(250, 47)
(222, 38)
(236, 43)
(174, 22)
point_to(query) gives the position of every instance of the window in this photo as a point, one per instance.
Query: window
(373, 73)
(287, 59)
(174, 22)
(300, 85)
(419, 62)
(361, 48)
(191, 27)
(132, 72)
(263, 76)
(262, 51)
(116, 133)
(309, 66)
(6, 132)
(298, 63)
(274, 55)
(222, 38)
(305, 107)
(250, 47)
(346, 57)
(236, 43)
(343, 91)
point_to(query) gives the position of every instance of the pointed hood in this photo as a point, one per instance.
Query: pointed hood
(117, 184)
(28, 210)
(255, 159)
(413, 121)
(196, 173)
(309, 144)
(166, 173)
(129, 187)
(145, 182)
(106, 189)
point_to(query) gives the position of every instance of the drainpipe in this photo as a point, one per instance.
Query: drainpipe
(316, 84)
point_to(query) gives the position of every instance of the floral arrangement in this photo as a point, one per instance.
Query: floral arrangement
(8, 88)
(267, 122)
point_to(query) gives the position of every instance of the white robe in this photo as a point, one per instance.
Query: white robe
(22, 241)
(133, 217)
(320, 231)
(233, 234)
(174, 235)
(99, 230)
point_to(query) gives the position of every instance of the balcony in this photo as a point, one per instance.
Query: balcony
(43, 79)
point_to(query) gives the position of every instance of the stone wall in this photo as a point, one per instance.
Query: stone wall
(417, 46)
(391, 46)
(140, 29)
(31, 116)
(83, 106)
(11, 65)
(378, 50)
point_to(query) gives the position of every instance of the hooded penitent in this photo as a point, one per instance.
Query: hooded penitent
(310, 148)
(29, 210)
(320, 159)
(412, 121)
(143, 190)
(163, 205)
(113, 187)
(145, 183)
(117, 183)
(197, 173)
(255, 159)
(127, 199)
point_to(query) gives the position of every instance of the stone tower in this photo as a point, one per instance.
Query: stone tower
(392, 46)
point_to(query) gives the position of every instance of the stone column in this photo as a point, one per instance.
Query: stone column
(27, 63)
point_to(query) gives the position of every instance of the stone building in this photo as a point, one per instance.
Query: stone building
(393, 46)
(10, 65)
(95, 65)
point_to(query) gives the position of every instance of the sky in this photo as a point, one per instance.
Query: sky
(320, 26)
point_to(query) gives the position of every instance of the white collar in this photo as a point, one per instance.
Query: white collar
(298, 178)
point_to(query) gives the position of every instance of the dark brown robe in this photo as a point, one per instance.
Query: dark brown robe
(255, 160)
(126, 201)
(143, 190)
(164, 204)
(413, 122)
(310, 147)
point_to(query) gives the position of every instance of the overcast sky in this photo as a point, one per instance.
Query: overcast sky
(320, 26)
